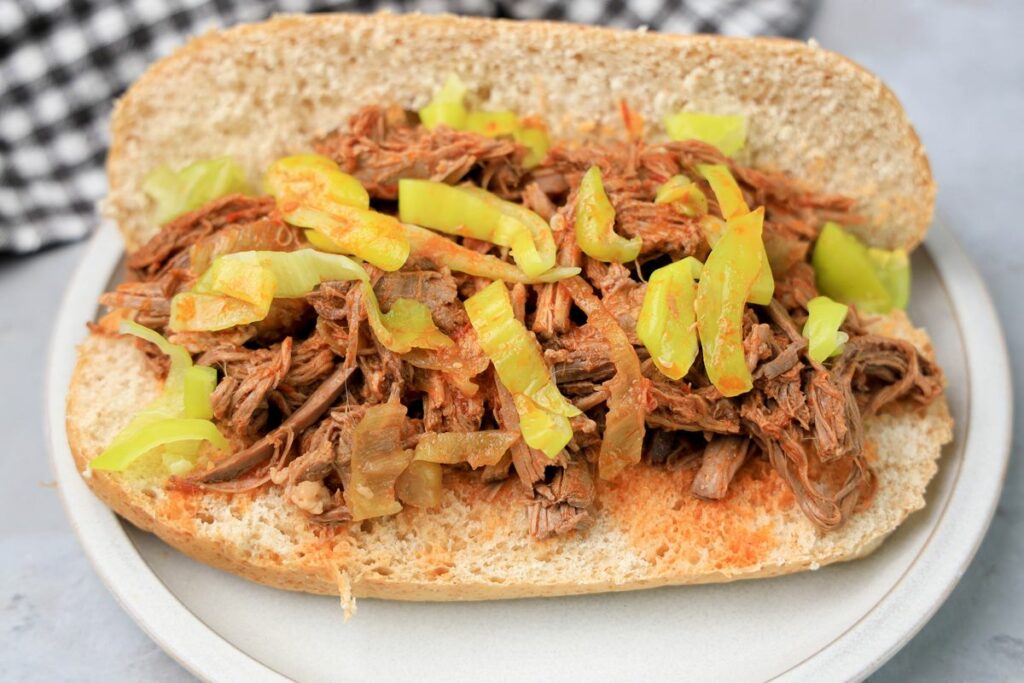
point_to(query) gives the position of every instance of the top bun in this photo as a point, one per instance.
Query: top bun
(260, 91)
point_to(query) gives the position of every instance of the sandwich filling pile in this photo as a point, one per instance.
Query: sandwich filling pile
(449, 288)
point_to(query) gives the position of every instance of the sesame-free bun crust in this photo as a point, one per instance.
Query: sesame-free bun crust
(259, 91)
(650, 531)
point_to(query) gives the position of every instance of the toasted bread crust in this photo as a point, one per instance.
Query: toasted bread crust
(259, 91)
(650, 530)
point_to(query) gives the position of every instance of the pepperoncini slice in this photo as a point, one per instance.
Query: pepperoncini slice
(725, 283)
(200, 381)
(520, 365)
(377, 462)
(447, 107)
(726, 132)
(476, 448)
(683, 194)
(893, 269)
(727, 190)
(542, 429)
(492, 123)
(444, 252)
(192, 312)
(420, 484)
(595, 222)
(177, 420)
(535, 139)
(406, 326)
(312, 192)
(177, 192)
(472, 212)
(667, 321)
(124, 452)
(239, 288)
(315, 181)
(321, 243)
(847, 271)
(731, 202)
(180, 359)
(824, 317)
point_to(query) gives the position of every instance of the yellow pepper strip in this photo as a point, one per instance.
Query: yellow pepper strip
(528, 133)
(595, 222)
(713, 228)
(476, 448)
(420, 484)
(535, 139)
(534, 253)
(312, 192)
(623, 440)
(447, 107)
(492, 123)
(374, 237)
(191, 312)
(541, 429)
(683, 194)
(377, 462)
(824, 318)
(726, 132)
(727, 190)
(174, 420)
(667, 321)
(444, 252)
(845, 271)
(297, 273)
(730, 201)
(239, 288)
(179, 356)
(321, 243)
(406, 326)
(244, 275)
(893, 269)
(177, 192)
(200, 381)
(725, 284)
(124, 452)
(471, 212)
(520, 365)
(315, 181)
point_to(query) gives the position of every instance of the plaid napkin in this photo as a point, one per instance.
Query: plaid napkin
(62, 66)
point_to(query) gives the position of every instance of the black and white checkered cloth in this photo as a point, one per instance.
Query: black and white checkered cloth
(63, 64)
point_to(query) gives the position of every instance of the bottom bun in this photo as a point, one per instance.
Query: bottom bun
(649, 531)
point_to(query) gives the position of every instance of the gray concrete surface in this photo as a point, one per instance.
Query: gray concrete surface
(958, 67)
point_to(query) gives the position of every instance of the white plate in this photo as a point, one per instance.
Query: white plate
(841, 622)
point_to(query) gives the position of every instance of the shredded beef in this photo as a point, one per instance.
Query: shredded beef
(694, 410)
(295, 385)
(564, 504)
(382, 146)
(722, 458)
(181, 233)
(553, 302)
(240, 400)
(579, 355)
(281, 438)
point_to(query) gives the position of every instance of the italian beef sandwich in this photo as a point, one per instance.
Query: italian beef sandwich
(429, 308)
